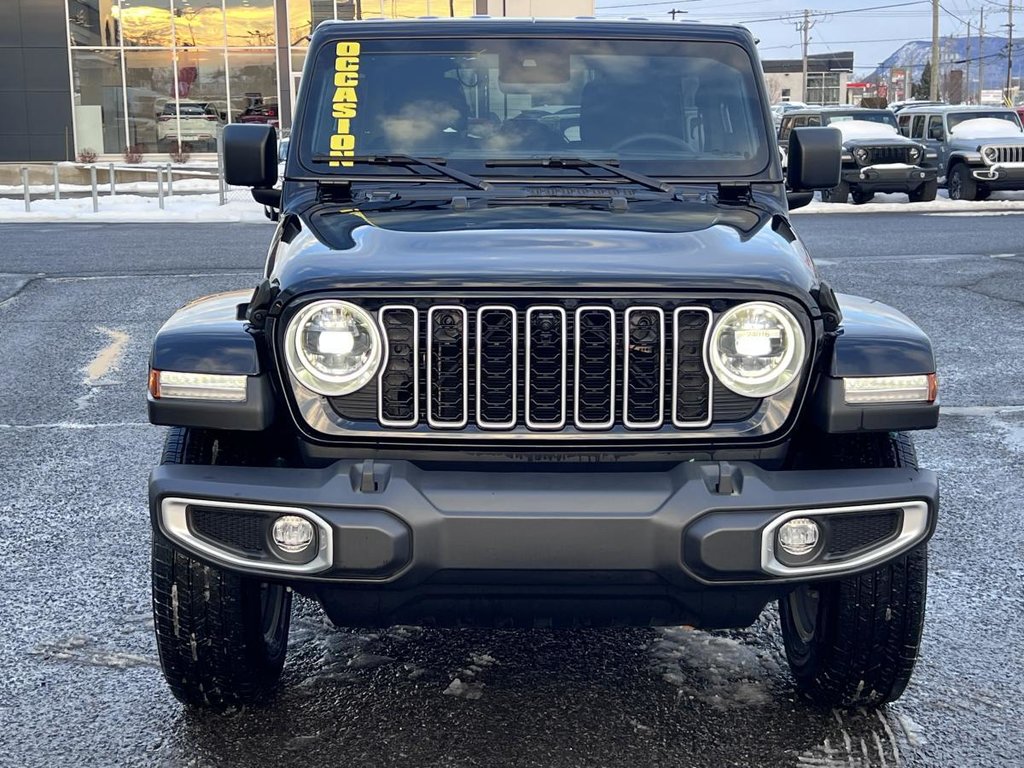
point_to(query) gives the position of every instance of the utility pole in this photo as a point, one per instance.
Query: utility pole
(981, 55)
(965, 90)
(804, 27)
(1009, 54)
(934, 92)
(675, 12)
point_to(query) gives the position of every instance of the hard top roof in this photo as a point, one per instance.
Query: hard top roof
(946, 108)
(492, 26)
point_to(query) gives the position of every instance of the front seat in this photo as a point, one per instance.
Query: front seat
(614, 111)
(417, 112)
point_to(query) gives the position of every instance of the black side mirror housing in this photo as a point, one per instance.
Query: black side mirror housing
(250, 155)
(799, 199)
(815, 158)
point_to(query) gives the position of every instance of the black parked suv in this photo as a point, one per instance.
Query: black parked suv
(501, 373)
(876, 158)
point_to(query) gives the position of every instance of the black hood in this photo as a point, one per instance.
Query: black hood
(677, 247)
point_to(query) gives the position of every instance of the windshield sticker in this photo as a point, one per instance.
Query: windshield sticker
(344, 104)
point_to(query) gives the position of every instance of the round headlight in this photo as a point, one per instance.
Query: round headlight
(333, 347)
(861, 154)
(990, 153)
(757, 349)
(915, 154)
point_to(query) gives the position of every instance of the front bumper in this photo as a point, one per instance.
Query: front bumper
(1001, 176)
(391, 533)
(888, 178)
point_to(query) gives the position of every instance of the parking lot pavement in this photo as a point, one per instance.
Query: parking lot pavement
(79, 683)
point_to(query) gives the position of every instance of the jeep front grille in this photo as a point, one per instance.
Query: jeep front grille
(1004, 154)
(497, 366)
(883, 155)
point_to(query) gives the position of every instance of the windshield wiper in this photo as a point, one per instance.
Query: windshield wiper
(611, 166)
(451, 173)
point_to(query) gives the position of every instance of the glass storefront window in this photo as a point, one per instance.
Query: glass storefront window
(98, 100)
(250, 23)
(146, 23)
(300, 22)
(253, 79)
(92, 23)
(150, 91)
(198, 23)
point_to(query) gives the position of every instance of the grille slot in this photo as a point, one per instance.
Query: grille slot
(447, 367)
(545, 367)
(398, 382)
(594, 366)
(497, 374)
(691, 377)
(643, 367)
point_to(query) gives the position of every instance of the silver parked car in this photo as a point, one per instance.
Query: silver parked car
(977, 149)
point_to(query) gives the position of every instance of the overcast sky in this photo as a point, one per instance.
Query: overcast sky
(872, 35)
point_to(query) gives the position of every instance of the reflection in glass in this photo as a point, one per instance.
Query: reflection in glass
(300, 21)
(92, 23)
(98, 99)
(253, 79)
(407, 9)
(250, 23)
(198, 23)
(150, 80)
(145, 22)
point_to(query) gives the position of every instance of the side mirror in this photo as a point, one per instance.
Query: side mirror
(815, 158)
(250, 155)
(799, 199)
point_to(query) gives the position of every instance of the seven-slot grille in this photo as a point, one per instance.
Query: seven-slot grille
(543, 367)
(1006, 154)
(882, 155)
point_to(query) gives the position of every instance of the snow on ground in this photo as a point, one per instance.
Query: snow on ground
(125, 187)
(896, 202)
(132, 208)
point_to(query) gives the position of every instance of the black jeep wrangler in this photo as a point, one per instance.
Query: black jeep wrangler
(510, 370)
(876, 158)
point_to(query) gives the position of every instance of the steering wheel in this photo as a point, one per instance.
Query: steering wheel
(665, 138)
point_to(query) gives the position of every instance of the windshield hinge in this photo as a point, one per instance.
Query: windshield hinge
(734, 192)
(618, 203)
(333, 192)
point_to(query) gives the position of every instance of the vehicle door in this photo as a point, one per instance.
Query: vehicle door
(935, 140)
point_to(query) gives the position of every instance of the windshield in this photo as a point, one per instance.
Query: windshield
(955, 118)
(882, 116)
(670, 108)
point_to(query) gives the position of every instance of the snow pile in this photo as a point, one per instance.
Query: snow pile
(984, 128)
(133, 208)
(864, 129)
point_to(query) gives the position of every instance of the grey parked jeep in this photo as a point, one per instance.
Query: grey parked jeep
(503, 370)
(975, 149)
(876, 158)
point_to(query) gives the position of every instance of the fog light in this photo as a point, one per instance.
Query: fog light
(798, 536)
(292, 533)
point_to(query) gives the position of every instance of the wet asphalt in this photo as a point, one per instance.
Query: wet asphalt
(79, 684)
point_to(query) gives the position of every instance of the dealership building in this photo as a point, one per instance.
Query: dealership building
(103, 75)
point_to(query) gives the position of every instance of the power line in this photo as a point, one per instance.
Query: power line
(836, 13)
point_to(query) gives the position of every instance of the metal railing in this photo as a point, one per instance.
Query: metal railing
(165, 175)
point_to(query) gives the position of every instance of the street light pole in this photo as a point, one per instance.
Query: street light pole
(981, 54)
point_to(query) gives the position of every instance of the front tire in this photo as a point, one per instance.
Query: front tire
(925, 193)
(222, 637)
(961, 184)
(854, 641)
(838, 194)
